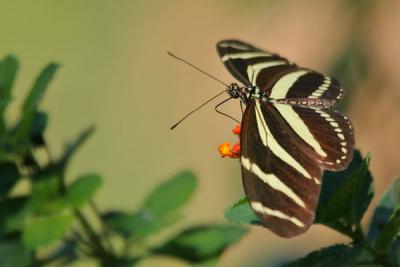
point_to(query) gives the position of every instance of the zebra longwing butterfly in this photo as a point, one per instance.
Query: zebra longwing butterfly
(288, 136)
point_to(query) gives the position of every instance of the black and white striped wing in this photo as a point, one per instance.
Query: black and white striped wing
(279, 78)
(245, 61)
(282, 183)
(326, 136)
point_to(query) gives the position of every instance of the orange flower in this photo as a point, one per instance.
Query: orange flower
(236, 130)
(225, 149)
(235, 151)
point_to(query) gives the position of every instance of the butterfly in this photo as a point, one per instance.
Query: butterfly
(289, 134)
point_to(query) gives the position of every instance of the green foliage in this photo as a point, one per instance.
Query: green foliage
(9, 176)
(160, 209)
(83, 190)
(48, 224)
(241, 212)
(202, 243)
(43, 231)
(13, 253)
(345, 196)
(337, 255)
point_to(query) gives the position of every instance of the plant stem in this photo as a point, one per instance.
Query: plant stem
(104, 226)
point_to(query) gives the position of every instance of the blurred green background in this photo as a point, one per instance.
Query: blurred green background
(115, 73)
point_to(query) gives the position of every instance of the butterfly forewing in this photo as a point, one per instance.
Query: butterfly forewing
(288, 136)
(274, 74)
(244, 61)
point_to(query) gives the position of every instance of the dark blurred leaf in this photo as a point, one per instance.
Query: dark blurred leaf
(8, 72)
(139, 225)
(66, 253)
(39, 88)
(389, 232)
(13, 253)
(9, 176)
(384, 210)
(213, 262)
(43, 231)
(170, 195)
(38, 127)
(72, 147)
(129, 262)
(337, 255)
(202, 243)
(241, 212)
(83, 189)
(351, 67)
(160, 209)
(12, 214)
(385, 223)
(345, 196)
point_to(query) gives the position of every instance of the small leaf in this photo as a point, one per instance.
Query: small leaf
(9, 176)
(241, 212)
(13, 253)
(202, 243)
(13, 212)
(139, 225)
(345, 196)
(385, 223)
(39, 88)
(72, 147)
(8, 72)
(46, 193)
(337, 255)
(170, 195)
(43, 231)
(38, 126)
(83, 189)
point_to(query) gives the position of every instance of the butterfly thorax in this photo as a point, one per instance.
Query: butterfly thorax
(246, 93)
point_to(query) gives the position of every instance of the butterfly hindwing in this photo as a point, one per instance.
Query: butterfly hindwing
(282, 186)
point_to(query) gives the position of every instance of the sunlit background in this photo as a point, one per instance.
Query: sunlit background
(116, 75)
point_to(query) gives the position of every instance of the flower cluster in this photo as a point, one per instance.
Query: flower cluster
(226, 150)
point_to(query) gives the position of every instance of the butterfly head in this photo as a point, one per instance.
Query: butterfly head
(235, 91)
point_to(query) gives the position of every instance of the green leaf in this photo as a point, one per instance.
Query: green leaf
(38, 126)
(71, 148)
(83, 189)
(38, 90)
(8, 72)
(13, 212)
(198, 244)
(43, 231)
(240, 212)
(13, 253)
(345, 196)
(337, 255)
(171, 195)
(9, 176)
(46, 193)
(384, 210)
(385, 223)
(139, 225)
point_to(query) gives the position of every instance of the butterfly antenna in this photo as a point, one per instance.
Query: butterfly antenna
(197, 68)
(199, 107)
(224, 114)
